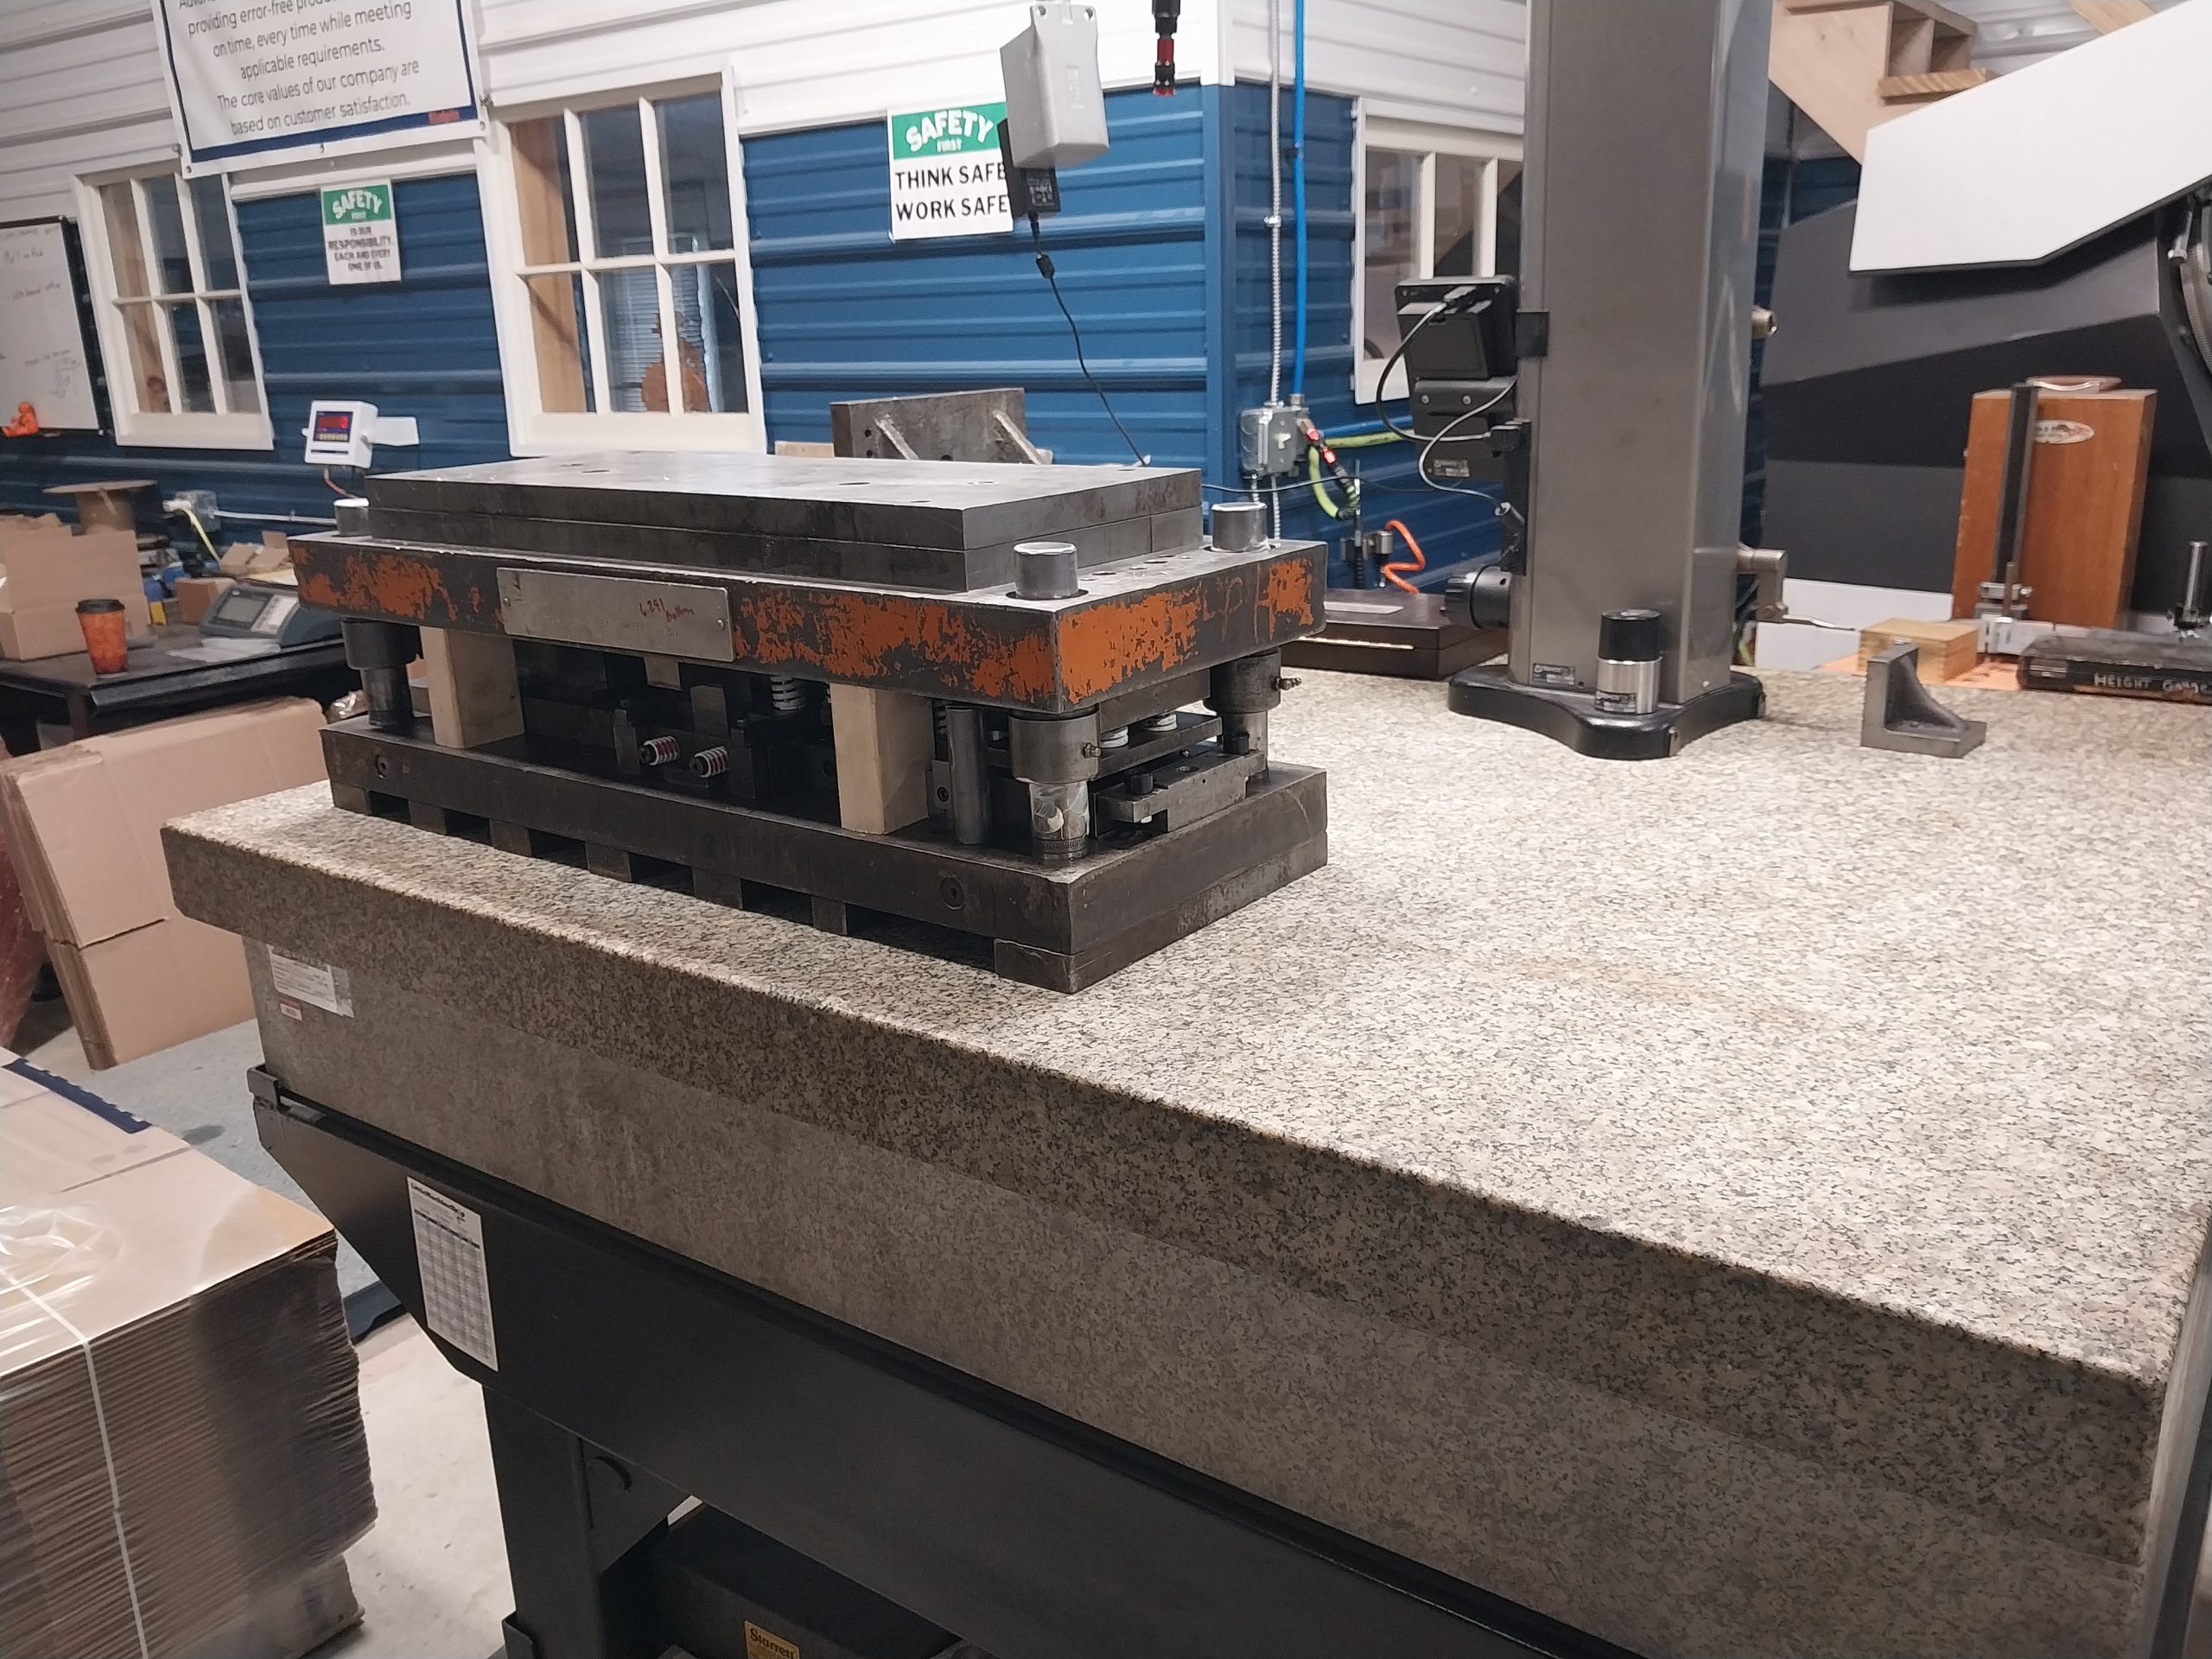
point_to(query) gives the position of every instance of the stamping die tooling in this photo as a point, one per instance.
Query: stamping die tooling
(1028, 704)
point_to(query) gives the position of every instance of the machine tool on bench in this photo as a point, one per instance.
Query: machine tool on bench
(1029, 704)
(1609, 410)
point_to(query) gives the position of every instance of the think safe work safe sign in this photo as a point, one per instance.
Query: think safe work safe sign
(947, 177)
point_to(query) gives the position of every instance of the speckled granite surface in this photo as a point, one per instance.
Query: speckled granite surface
(1844, 1109)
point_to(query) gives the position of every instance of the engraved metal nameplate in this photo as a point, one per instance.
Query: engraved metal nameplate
(666, 618)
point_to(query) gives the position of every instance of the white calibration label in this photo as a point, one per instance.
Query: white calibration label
(449, 1254)
(312, 982)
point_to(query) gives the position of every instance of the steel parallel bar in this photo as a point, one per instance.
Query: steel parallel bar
(832, 558)
(924, 503)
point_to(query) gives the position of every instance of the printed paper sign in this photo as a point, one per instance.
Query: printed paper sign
(947, 178)
(360, 238)
(327, 988)
(250, 76)
(449, 1255)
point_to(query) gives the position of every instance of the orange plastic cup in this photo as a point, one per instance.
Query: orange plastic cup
(101, 621)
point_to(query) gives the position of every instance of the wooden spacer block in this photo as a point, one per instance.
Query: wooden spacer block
(471, 681)
(1946, 649)
(884, 741)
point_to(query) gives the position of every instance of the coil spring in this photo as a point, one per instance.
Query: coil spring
(786, 694)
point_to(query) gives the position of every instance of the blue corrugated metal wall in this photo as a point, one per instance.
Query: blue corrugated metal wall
(1161, 254)
(424, 346)
(845, 312)
(1451, 528)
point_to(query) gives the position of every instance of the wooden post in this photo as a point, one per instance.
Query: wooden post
(884, 741)
(471, 680)
(538, 149)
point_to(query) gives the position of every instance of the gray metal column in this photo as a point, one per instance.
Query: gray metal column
(1646, 132)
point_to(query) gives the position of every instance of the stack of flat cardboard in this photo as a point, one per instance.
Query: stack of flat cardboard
(45, 570)
(84, 826)
(181, 1441)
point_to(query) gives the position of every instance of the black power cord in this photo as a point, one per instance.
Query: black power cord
(1052, 280)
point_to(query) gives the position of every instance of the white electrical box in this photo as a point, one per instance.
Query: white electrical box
(341, 432)
(1055, 104)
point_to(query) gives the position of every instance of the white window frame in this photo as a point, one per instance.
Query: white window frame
(531, 428)
(1428, 142)
(135, 428)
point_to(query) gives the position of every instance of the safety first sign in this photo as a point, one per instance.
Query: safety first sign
(947, 178)
(360, 240)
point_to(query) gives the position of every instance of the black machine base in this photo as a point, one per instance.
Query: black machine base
(1572, 717)
(1060, 926)
(1402, 636)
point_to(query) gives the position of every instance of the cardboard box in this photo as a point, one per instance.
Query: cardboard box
(195, 595)
(45, 570)
(152, 987)
(272, 552)
(83, 824)
(174, 1357)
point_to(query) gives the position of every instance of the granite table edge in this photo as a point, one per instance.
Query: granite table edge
(216, 887)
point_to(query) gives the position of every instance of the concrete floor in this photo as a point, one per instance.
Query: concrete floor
(432, 1573)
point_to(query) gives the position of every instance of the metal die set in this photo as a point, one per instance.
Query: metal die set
(1027, 705)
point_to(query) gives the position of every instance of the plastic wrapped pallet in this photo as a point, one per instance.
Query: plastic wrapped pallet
(181, 1455)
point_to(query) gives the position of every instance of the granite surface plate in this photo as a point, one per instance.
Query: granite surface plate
(1848, 1105)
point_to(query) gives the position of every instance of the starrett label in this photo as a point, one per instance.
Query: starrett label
(767, 1644)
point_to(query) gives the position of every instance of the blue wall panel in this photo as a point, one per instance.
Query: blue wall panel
(845, 312)
(1451, 528)
(424, 346)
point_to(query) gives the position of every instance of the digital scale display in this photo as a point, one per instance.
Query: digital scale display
(263, 611)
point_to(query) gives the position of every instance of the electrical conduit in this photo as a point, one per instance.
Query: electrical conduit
(1298, 196)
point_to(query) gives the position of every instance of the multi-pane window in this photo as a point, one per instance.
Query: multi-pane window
(1435, 203)
(631, 269)
(183, 366)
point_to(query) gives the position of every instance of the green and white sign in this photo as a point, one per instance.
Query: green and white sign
(360, 238)
(947, 178)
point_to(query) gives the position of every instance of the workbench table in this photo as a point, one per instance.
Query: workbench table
(179, 671)
(1748, 1203)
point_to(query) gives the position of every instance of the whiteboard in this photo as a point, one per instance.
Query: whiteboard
(43, 361)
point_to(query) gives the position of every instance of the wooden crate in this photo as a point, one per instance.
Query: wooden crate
(1946, 649)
